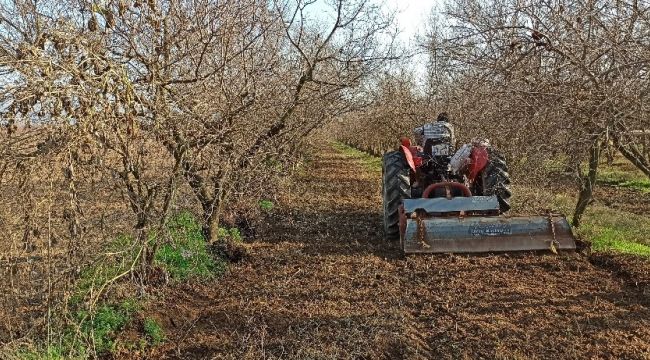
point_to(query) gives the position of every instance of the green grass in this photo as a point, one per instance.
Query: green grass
(103, 326)
(624, 179)
(186, 255)
(616, 230)
(92, 334)
(232, 235)
(154, 331)
(613, 239)
(123, 252)
(371, 163)
(266, 205)
(53, 352)
(610, 229)
(623, 174)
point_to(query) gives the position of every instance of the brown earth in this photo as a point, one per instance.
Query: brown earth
(320, 283)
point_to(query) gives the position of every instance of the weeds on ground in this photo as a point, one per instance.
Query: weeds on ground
(616, 230)
(120, 256)
(611, 229)
(91, 333)
(101, 327)
(95, 322)
(154, 331)
(186, 255)
(266, 205)
(621, 173)
(624, 179)
(232, 235)
(51, 353)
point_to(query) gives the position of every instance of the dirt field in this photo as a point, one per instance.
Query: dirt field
(319, 282)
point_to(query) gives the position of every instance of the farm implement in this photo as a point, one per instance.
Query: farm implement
(438, 202)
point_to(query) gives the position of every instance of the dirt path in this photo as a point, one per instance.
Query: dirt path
(321, 283)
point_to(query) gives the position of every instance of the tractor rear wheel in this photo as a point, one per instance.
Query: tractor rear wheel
(396, 186)
(496, 180)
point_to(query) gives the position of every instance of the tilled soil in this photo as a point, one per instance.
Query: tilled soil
(320, 283)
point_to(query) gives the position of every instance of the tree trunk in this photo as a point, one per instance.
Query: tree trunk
(212, 209)
(211, 225)
(211, 194)
(628, 149)
(586, 193)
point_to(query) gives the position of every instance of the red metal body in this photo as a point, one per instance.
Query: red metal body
(410, 152)
(479, 157)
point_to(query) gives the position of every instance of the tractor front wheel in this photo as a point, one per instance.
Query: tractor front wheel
(396, 186)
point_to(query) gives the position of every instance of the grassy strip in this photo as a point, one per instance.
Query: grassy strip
(371, 163)
(93, 330)
(622, 173)
(186, 255)
(613, 239)
(615, 230)
(624, 179)
(610, 229)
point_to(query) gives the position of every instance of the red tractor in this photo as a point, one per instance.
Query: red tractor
(437, 200)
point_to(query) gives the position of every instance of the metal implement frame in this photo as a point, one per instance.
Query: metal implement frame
(473, 224)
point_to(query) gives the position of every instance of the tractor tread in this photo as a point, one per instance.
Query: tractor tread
(496, 179)
(396, 186)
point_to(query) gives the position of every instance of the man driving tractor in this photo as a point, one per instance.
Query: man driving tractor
(438, 199)
(436, 138)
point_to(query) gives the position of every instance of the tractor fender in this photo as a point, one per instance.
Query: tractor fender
(409, 156)
(480, 158)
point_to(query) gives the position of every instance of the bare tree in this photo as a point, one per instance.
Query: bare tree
(293, 67)
(116, 107)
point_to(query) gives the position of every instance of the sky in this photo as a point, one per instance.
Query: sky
(412, 16)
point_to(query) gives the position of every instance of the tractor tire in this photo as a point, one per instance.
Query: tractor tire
(396, 186)
(496, 180)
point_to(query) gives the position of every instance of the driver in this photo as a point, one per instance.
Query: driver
(437, 138)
